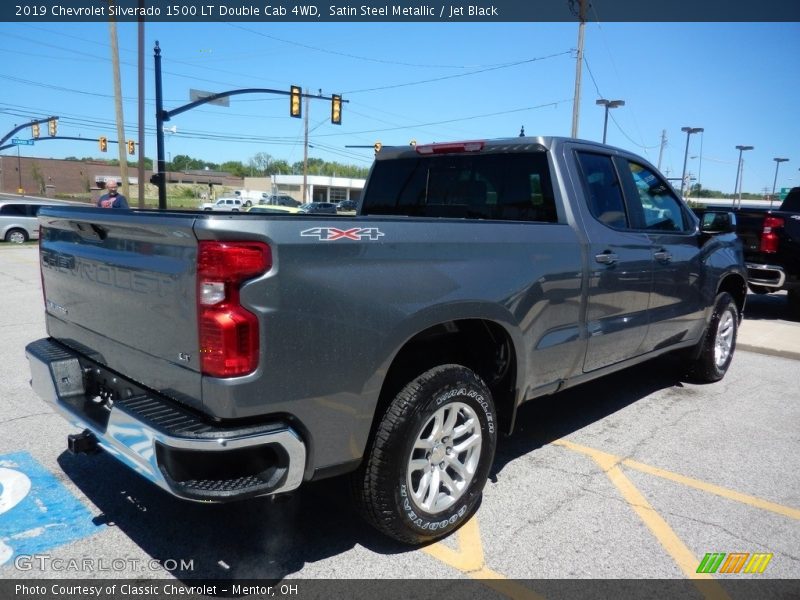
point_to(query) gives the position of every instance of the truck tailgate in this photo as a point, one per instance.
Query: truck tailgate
(123, 291)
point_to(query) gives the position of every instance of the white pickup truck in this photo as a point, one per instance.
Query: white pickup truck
(228, 204)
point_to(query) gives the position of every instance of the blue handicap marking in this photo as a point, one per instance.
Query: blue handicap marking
(37, 513)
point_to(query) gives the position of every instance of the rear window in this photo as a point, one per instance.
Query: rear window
(501, 186)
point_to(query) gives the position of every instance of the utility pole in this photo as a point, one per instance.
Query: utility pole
(576, 102)
(305, 151)
(123, 160)
(663, 144)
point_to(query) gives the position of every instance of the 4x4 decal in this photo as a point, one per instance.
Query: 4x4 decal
(331, 234)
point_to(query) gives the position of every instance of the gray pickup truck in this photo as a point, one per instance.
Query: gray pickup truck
(231, 356)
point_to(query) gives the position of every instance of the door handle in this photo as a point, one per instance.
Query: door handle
(606, 258)
(662, 256)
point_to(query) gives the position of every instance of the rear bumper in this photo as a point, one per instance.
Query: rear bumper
(177, 449)
(771, 276)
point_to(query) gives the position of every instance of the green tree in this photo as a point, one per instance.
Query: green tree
(280, 167)
(235, 167)
(38, 177)
(259, 163)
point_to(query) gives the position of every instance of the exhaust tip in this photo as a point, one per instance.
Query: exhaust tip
(82, 443)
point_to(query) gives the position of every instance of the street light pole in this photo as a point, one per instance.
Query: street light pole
(689, 131)
(608, 104)
(738, 171)
(778, 162)
(19, 169)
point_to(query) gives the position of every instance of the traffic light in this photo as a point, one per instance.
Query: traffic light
(296, 102)
(336, 109)
(35, 130)
(52, 127)
(103, 143)
(378, 147)
(131, 147)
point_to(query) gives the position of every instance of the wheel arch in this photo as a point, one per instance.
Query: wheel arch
(485, 346)
(736, 285)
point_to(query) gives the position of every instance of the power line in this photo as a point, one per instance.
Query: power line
(600, 95)
(470, 118)
(458, 75)
(363, 58)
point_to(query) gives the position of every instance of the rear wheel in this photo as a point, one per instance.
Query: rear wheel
(17, 236)
(430, 457)
(719, 342)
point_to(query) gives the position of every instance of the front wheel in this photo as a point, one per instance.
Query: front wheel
(430, 457)
(719, 342)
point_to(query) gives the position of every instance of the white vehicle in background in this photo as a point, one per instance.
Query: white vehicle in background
(229, 204)
(254, 196)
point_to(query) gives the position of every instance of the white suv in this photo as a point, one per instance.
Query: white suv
(231, 204)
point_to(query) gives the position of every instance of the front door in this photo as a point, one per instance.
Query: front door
(620, 271)
(676, 306)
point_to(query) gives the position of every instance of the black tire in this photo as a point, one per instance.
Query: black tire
(388, 484)
(718, 343)
(16, 236)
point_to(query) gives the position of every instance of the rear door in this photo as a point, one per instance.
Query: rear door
(620, 266)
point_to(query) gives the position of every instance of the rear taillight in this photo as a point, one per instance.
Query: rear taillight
(229, 343)
(769, 235)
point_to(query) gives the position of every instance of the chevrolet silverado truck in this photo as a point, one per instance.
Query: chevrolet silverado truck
(771, 241)
(226, 356)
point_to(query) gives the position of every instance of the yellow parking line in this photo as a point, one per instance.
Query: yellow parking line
(786, 511)
(704, 486)
(469, 559)
(666, 536)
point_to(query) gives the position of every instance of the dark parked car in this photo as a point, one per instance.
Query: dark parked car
(285, 200)
(347, 205)
(318, 208)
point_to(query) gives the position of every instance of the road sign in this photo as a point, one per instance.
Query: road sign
(195, 95)
(19, 142)
(784, 193)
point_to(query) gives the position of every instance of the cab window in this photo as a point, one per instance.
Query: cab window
(603, 190)
(659, 208)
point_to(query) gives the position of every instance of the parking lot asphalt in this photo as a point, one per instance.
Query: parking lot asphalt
(637, 475)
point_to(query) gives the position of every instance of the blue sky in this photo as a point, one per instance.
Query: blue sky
(428, 82)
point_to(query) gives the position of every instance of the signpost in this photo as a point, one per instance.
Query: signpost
(19, 142)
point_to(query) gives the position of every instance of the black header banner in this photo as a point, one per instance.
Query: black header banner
(410, 11)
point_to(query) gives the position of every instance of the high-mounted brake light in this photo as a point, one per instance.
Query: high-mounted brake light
(769, 237)
(229, 344)
(474, 146)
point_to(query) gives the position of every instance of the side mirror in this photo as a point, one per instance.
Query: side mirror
(715, 222)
